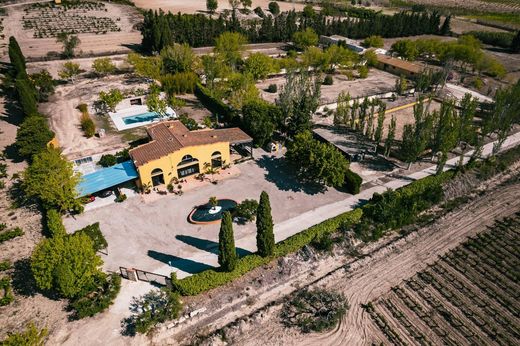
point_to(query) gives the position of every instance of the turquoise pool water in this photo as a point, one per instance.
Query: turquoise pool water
(140, 118)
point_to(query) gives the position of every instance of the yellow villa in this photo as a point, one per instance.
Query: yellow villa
(176, 152)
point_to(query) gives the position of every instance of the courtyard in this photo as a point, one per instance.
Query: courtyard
(151, 232)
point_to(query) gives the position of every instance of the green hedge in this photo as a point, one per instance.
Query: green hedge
(208, 279)
(54, 223)
(94, 233)
(5, 285)
(98, 300)
(8, 235)
(216, 106)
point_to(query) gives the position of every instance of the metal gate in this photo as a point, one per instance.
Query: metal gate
(143, 275)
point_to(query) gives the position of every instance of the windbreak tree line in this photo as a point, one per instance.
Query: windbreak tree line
(160, 29)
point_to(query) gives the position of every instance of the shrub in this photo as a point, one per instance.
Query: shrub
(5, 286)
(353, 182)
(246, 210)
(54, 223)
(94, 233)
(8, 235)
(190, 123)
(323, 242)
(363, 71)
(499, 39)
(32, 336)
(5, 265)
(121, 198)
(328, 80)
(87, 125)
(155, 307)
(314, 311)
(98, 300)
(272, 88)
(179, 83)
(107, 160)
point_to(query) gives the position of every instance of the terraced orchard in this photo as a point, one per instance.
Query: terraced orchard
(49, 20)
(470, 296)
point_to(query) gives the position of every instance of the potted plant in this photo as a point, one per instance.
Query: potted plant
(213, 202)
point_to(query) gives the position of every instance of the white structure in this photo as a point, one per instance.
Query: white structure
(133, 112)
(337, 39)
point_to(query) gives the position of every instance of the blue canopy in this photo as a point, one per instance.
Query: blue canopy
(106, 178)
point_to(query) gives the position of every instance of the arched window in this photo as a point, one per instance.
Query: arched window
(186, 159)
(216, 159)
(157, 171)
(157, 177)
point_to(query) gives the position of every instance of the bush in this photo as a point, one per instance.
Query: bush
(107, 160)
(5, 286)
(87, 125)
(121, 198)
(272, 88)
(94, 233)
(98, 300)
(499, 39)
(32, 336)
(190, 123)
(323, 243)
(353, 182)
(179, 83)
(5, 265)
(246, 210)
(8, 235)
(328, 80)
(363, 71)
(155, 307)
(314, 311)
(54, 223)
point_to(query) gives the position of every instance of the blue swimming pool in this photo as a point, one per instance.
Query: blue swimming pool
(141, 118)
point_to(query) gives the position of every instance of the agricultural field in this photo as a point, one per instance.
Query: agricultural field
(469, 296)
(475, 5)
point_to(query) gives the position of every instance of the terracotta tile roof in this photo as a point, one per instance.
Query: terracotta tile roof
(170, 136)
(398, 63)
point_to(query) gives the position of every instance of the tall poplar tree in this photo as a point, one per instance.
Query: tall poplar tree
(264, 227)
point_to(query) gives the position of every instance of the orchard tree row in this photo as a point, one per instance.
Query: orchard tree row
(160, 29)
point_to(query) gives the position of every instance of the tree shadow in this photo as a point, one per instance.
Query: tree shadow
(208, 245)
(279, 172)
(22, 279)
(184, 264)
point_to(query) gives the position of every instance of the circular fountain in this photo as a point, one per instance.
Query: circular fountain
(206, 213)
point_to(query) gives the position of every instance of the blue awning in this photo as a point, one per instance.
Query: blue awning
(106, 178)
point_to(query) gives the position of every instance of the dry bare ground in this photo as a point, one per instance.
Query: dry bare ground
(481, 5)
(197, 6)
(386, 264)
(110, 42)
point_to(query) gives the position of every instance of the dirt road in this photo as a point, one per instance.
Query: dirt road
(369, 278)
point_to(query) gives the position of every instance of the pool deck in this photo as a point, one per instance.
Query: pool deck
(118, 117)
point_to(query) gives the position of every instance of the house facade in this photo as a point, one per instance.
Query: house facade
(175, 152)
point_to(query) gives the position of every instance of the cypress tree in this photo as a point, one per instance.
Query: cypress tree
(16, 57)
(26, 96)
(264, 227)
(227, 253)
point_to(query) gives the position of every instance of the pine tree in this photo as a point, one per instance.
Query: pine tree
(227, 253)
(264, 227)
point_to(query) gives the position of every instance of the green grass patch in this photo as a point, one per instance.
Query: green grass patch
(8, 235)
(5, 286)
